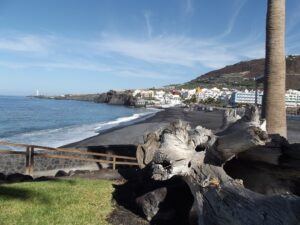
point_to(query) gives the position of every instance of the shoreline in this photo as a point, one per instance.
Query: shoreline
(123, 140)
(60, 126)
(133, 134)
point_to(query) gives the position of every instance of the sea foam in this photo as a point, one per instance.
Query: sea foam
(65, 135)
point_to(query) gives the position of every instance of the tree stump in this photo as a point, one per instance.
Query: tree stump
(199, 156)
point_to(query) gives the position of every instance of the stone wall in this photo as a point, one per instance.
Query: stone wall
(10, 164)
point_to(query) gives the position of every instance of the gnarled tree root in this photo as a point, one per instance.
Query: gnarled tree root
(198, 157)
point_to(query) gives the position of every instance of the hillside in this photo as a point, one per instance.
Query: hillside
(241, 75)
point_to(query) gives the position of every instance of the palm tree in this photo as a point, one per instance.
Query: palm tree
(275, 69)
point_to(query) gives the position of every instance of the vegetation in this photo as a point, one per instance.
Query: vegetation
(239, 83)
(240, 75)
(193, 99)
(65, 202)
(214, 102)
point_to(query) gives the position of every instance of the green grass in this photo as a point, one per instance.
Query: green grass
(65, 202)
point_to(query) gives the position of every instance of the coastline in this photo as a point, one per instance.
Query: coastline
(133, 134)
(56, 123)
(123, 140)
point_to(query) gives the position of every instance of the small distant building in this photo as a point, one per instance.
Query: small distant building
(159, 94)
(247, 97)
(205, 93)
(176, 100)
(140, 102)
(147, 94)
(187, 93)
(136, 92)
(172, 100)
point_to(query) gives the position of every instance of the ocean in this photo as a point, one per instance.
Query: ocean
(55, 123)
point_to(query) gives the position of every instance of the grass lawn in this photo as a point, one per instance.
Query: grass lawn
(65, 202)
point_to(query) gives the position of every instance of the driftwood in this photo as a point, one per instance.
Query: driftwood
(209, 162)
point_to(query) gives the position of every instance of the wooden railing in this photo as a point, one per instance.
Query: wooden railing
(33, 151)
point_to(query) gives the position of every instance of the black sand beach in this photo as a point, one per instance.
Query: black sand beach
(133, 134)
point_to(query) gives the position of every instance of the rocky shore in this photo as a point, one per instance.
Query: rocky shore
(110, 97)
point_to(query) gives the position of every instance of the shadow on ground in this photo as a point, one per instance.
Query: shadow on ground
(8, 191)
(124, 150)
(22, 194)
(132, 196)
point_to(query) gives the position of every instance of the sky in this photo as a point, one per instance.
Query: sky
(91, 46)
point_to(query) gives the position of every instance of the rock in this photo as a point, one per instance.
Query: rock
(18, 177)
(2, 177)
(168, 201)
(44, 178)
(79, 172)
(150, 202)
(116, 98)
(110, 97)
(61, 173)
(71, 173)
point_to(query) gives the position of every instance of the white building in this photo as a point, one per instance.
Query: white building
(246, 97)
(205, 93)
(172, 100)
(292, 98)
(140, 102)
(159, 94)
(187, 93)
(225, 94)
(136, 92)
(147, 94)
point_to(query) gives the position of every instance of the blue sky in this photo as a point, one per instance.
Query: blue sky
(89, 46)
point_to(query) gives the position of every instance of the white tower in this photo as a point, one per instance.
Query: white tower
(37, 93)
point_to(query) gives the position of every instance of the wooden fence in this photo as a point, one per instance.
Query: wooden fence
(33, 151)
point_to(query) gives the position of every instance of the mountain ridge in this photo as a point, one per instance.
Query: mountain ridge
(240, 75)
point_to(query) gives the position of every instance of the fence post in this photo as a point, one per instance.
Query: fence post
(31, 160)
(27, 161)
(114, 163)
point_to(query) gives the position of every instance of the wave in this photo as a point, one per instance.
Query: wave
(125, 121)
(66, 135)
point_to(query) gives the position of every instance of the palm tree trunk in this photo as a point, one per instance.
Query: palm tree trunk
(275, 69)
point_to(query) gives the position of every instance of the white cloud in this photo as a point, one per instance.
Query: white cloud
(175, 50)
(147, 15)
(238, 7)
(152, 57)
(26, 43)
(189, 6)
(124, 71)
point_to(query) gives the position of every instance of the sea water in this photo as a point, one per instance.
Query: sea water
(55, 123)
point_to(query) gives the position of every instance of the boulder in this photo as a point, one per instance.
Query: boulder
(61, 173)
(150, 202)
(2, 177)
(18, 177)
